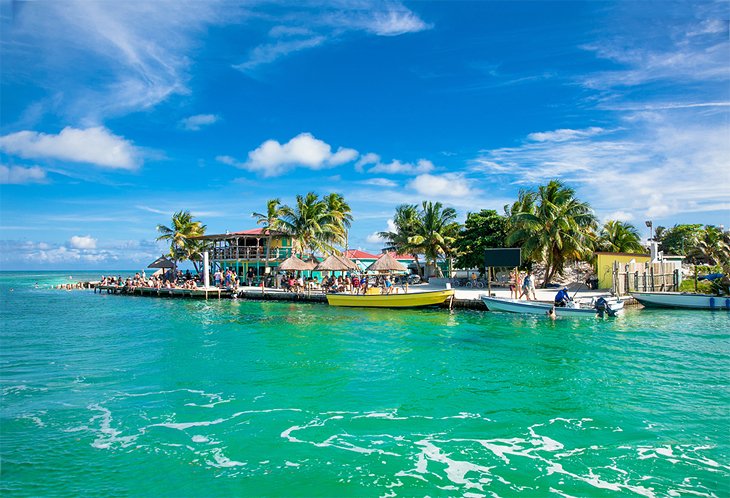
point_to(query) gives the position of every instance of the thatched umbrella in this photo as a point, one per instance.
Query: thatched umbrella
(295, 264)
(162, 262)
(351, 265)
(332, 263)
(386, 262)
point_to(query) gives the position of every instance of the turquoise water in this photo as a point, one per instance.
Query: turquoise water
(112, 395)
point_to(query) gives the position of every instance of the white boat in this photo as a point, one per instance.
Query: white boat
(682, 300)
(540, 308)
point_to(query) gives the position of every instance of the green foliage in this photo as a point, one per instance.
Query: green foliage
(431, 231)
(703, 286)
(552, 226)
(180, 235)
(482, 230)
(700, 244)
(679, 239)
(618, 236)
(316, 224)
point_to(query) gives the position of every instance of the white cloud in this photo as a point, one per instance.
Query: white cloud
(399, 168)
(272, 158)
(663, 165)
(83, 242)
(18, 175)
(446, 185)
(380, 182)
(618, 216)
(195, 123)
(136, 54)
(96, 146)
(394, 22)
(564, 134)
(375, 238)
(313, 27)
(267, 53)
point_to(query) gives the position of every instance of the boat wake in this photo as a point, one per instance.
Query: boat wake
(463, 453)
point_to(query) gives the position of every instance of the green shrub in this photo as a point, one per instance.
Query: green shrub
(703, 286)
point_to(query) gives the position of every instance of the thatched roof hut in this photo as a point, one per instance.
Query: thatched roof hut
(162, 262)
(295, 264)
(386, 262)
(336, 263)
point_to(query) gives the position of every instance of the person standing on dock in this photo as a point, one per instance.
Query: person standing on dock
(249, 277)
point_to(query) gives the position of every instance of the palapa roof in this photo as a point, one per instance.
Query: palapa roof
(162, 262)
(336, 263)
(295, 264)
(386, 262)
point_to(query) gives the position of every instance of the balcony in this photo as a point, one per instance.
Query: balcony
(249, 253)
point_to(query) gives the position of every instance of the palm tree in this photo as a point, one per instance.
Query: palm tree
(712, 247)
(308, 223)
(270, 220)
(405, 221)
(435, 233)
(552, 226)
(183, 228)
(339, 218)
(617, 236)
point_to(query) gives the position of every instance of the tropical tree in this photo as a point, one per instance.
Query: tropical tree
(405, 224)
(180, 234)
(436, 233)
(680, 239)
(339, 219)
(551, 226)
(308, 223)
(270, 220)
(618, 236)
(712, 247)
(482, 230)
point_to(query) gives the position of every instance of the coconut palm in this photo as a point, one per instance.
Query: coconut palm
(308, 223)
(270, 220)
(618, 236)
(405, 221)
(180, 234)
(340, 218)
(712, 247)
(552, 226)
(436, 232)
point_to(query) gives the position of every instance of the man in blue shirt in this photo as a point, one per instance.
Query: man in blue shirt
(562, 298)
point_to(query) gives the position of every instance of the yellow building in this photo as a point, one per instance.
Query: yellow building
(606, 260)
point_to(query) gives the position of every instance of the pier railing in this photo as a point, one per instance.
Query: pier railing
(250, 252)
(645, 277)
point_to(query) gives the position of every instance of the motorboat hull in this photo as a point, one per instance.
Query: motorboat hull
(540, 308)
(682, 300)
(406, 300)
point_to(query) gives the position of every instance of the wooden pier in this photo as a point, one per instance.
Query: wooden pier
(200, 293)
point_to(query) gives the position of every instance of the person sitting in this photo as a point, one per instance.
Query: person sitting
(562, 298)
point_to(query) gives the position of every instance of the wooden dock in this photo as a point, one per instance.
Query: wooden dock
(199, 293)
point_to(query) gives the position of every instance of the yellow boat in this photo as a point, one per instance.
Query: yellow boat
(410, 300)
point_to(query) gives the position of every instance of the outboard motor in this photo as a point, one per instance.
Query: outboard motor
(602, 308)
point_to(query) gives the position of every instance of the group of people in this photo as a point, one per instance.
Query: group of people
(167, 280)
(355, 283)
(522, 286)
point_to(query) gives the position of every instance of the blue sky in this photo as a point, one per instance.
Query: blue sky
(113, 115)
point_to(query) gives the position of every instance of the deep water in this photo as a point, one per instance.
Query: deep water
(111, 396)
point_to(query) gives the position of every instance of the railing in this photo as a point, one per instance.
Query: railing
(650, 277)
(250, 252)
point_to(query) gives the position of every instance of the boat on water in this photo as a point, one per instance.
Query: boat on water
(540, 308)
(408, 300)
(684, 300)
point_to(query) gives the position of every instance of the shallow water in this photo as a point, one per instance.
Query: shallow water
(115, 395)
